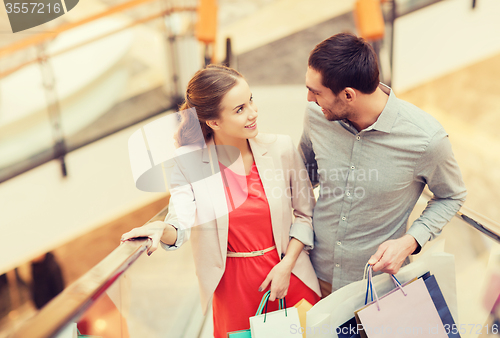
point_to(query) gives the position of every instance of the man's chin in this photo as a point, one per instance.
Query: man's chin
(325, 112)
(329, 116)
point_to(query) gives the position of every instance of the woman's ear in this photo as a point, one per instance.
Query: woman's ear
(213, 124)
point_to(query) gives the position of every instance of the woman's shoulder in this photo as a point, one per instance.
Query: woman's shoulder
(189, 148)
(188, 158)
(273, 140)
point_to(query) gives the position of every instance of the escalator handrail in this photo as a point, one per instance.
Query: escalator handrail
(73, 301)
(487, 230)
(79, 296)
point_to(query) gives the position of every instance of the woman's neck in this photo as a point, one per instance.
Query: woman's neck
(240, 143)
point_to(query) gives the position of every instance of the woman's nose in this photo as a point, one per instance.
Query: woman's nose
(255, 110)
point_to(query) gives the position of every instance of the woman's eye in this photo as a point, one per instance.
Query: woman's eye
(240, 110)
(251, 98)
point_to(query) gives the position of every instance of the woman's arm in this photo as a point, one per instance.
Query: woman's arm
(302, 199)
(175, 229)
(301, 232)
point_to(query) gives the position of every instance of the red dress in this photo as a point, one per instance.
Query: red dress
(237, 297)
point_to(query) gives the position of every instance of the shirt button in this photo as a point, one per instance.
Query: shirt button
(339, 243)
(337, 265)
(348, 193)
(344, 218)
(353, 167)
(358, 138)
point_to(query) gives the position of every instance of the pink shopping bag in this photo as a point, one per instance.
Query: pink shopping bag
(406, 311)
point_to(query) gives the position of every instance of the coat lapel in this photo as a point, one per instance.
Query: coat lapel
(216, 187)
(267, 173)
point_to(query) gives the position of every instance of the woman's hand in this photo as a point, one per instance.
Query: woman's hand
(153, 230)
(279, 277)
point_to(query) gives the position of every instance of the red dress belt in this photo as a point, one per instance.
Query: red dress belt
(250, 254)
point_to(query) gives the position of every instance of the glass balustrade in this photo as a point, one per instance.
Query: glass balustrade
(477, 266)
(127, 64)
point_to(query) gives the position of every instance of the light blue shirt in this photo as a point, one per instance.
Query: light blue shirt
(370, 182)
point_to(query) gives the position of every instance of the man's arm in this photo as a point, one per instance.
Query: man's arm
(307, 153)
(439, 170)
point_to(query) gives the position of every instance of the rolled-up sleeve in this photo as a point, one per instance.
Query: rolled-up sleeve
(440, 171)
(182, 237)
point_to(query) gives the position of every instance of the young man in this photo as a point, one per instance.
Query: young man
(372, 155)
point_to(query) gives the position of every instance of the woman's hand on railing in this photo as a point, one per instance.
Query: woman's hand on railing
(154, 230)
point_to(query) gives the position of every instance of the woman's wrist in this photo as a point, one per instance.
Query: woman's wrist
(288, 261)
(169, 236)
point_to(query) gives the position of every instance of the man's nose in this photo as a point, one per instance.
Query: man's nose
(310, 97)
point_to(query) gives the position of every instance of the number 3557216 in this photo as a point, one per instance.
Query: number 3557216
(32, 7)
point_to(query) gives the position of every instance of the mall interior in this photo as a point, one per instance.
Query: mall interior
(75, 90)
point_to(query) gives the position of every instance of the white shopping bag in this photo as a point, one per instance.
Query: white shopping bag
(336, 309)
(282, 323)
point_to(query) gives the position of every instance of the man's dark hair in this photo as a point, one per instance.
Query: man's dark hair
(344, 60)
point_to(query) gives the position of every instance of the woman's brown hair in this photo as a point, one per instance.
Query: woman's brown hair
(204, 93)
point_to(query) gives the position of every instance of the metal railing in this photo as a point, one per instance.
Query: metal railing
(492, 231)
(79, 296)
(162, 99)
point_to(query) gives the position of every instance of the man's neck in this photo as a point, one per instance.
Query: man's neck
(370, 106)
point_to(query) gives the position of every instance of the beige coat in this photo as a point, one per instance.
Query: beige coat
(198, 207)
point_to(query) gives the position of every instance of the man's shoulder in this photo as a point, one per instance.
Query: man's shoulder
(419, 118)
(314, 111)
(316, 118)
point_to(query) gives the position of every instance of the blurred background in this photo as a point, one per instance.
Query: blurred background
(74, 90)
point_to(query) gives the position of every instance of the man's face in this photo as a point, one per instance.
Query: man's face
(332, 106)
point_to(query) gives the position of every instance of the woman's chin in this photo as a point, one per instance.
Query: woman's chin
(253, 133)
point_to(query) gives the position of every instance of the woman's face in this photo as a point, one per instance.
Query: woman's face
(238, 118)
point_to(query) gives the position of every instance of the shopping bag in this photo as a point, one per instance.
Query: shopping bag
(406, 311)
(240, 334)
(282, 323)
(302, 307)
(326, 317)
(350, 328)
(440, 304)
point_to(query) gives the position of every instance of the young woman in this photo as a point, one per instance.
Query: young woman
(249, 215)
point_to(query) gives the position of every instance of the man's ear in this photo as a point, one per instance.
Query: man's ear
(350, 94)
(213, 124)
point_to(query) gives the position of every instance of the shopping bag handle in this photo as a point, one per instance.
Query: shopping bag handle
(263, 305)
(370, 286)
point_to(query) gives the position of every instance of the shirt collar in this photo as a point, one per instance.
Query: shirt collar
(388, 116)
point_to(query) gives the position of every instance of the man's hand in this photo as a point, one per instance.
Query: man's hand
(392, 253)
